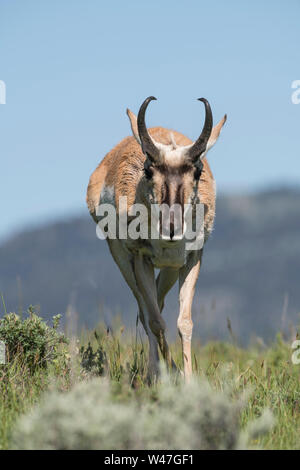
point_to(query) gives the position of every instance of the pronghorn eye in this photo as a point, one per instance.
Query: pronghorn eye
(198, 169)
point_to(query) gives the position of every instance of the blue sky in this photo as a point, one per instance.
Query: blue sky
(72, 67)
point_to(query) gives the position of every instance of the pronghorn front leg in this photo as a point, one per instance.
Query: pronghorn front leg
(144, 273)
(188, 276)
(126, 267)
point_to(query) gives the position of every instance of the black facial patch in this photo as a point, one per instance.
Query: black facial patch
(198, 169)
(148, 170)
(172, 191)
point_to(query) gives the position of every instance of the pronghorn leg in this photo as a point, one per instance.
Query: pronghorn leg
(153, 365)
(188, 276)
(144, 273)
(164, 282)
(122, 259)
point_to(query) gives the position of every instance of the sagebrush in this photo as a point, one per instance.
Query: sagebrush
(31, 339)
(108, 370)
(93, 416)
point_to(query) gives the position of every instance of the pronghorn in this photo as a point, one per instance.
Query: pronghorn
(158, 166)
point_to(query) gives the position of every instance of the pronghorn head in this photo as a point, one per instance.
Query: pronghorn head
(173, 171)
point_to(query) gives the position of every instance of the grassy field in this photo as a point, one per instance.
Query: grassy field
(266, 374)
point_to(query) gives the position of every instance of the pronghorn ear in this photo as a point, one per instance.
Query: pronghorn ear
(133, 123)
(215, 133)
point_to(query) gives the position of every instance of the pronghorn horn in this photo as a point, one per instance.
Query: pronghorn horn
(148, 146)
(200, 145)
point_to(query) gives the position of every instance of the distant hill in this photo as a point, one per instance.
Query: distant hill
(250, 270)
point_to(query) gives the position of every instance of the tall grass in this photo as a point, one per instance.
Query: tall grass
(265, 374)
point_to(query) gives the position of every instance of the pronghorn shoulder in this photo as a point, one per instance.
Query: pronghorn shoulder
(116, 175)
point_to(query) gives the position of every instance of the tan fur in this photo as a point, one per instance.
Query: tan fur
(122, 168)
(121, 173)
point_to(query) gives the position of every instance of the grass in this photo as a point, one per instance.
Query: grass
(267, 374)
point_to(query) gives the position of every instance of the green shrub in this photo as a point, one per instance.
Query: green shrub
(32, 341)
(95, 415)
(93, 362)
